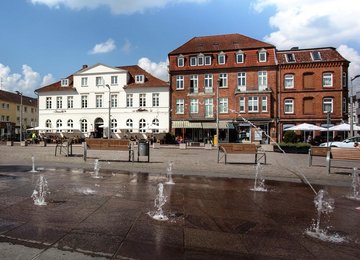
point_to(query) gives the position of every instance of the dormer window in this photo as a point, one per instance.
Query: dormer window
(262, 55)
(221, 58)
(290, 57)
(208, 60)
(201, 59)
(139, 79)
(65, 82)
(315, 55)
(193, 61)
(180, 61)
(240, 57)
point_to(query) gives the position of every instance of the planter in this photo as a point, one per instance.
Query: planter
(9, 143)
(292, 149)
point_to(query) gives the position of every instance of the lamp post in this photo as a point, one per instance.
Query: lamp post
(109, 120)
(21, 111)
(351, 106)
(217, 118)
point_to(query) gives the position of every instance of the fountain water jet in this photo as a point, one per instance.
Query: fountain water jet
(40, 192)
(259, 182)
(355, 186)
(159, 202)
(96, 169)
(169, 173)
(33, 164)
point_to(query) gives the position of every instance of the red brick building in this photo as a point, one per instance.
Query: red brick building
(247, 77)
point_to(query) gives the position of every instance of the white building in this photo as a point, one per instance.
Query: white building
(139, 102)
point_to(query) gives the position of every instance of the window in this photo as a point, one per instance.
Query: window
(142, 100)
(70, 102)
(129, 100)
(242, 104)
(99, 81)
(327, 79)
(58, 124)
(208, 83)
(114, 80)
(289, 81)
(223, 80)
(114, 100)
(262, 80)
(84, 101)
(98, 101)
(156, 125)
(70, 123)
(209, 107)
(139, 78)
(264, 104)
(207, 60)
(64, 82)
(289, 106)
(344, 80)
(194, 88)
(253, 104)
(18, 107)
(84, 126)
(290, 57)
(25, 109)
(142, 125)
(308, 105)
(308, 80)
(48, 123)
(194, 106)
(155, 99)
(113, 124)
(180, 61)
(315, 55)
(262, 55)
(328, 105)
(180, 106)
(241, 81)
(240, 57)
(221, 58)
(180, 82)
(48, 103)
(223, 105)
(129, 124)
(58, 102)
(32, 110)
(201, 59)
(193, 61)
(84, 81)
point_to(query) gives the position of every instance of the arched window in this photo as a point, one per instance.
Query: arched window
(142, 124)
(113, 125)
(48, 124)
(84, 126)
(129, 124)
(155, 124)
(70, 124)
(58, 125)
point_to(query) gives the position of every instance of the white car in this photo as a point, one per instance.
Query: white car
(349, 143)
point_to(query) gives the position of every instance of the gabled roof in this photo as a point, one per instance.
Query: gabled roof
(16, 98)
(327, 54)
(150, 80)
(218, 43)
(56, 86)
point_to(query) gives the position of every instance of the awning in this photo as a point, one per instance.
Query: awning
(226, 125)
(209, 125)
(204, 125)
(186, 124)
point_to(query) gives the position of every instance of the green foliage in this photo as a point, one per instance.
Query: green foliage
(290, 137)
(169, 138)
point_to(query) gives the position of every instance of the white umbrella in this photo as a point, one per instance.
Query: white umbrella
(306, 127)
(40, 128)
(344, 127)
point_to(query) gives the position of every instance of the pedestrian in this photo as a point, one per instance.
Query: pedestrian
(356, 145)
(33, 137)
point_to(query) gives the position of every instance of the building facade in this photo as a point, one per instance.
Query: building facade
(133, 100)
(17, 113)
(246, 77)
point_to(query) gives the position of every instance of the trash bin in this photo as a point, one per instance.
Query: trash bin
(143, 148)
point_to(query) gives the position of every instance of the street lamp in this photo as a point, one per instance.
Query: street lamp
(21, 111)
(217, 118)
(351, 106)
(109, 123)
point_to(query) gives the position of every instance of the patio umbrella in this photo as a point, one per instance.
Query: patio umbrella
(306, 127)
(344, 127)
(40, 128)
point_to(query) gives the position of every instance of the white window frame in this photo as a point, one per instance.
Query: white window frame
(328, 101)
(223, 105)
(84, 126)
(289, 106)
(193, 61)
(289, 81)
(180, 61)
(155, 99)
(142, 100)
(253, 104)
(180, 106)
(195, 87)
(264, 104)
(262, 55)
(142, 125)
(201, 59)
(65, 82)
(84, 81)
(70, 102)
(241, 81)
(208, 60)
(129, 124)
(99, 81)
(58, 102)
(223, 77)
(70, 124)
(209, 107)
(327, 79)
(240, 57)
(221, 58)
(113, 124)
(48, 103)
(129, 100)
(114, 80)
(262, 80)
(139, 79)
(99, 101)
(155, 122)
(84, 101)
(242, 104)
(114, 100)
(179, 82)
(208, 83)
(58, 125)
(194, 106)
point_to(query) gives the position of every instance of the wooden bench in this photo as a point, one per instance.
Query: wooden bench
(317, 151)
(109, 144)
(64, 146)
(239, 148)
(341, 154)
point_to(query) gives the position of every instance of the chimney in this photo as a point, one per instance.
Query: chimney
(84, 66)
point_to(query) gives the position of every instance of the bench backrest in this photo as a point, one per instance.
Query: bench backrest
(238, 148)
(107, 144)
(318, 151)
(345, 153)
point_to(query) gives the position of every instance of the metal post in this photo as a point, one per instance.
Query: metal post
(21, 112)
(351, 106)
(109, 120)
(328, 121)
(217, 118)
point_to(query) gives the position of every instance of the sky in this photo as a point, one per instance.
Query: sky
(42, 41)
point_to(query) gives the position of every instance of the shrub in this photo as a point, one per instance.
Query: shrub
(169, 138)
(290, 137)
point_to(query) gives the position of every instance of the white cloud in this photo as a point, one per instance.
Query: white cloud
(116, 6)
(126, 48)
(159, 70)
(26, 82)
(104, 47)
(354, 69)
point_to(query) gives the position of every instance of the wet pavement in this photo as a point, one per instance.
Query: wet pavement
(209, 217)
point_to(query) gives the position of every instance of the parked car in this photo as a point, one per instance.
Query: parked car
(349, 143)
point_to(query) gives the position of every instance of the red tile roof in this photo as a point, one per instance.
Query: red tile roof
(327, 54)
(56, 86)
(218, 43)
(15, 98)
